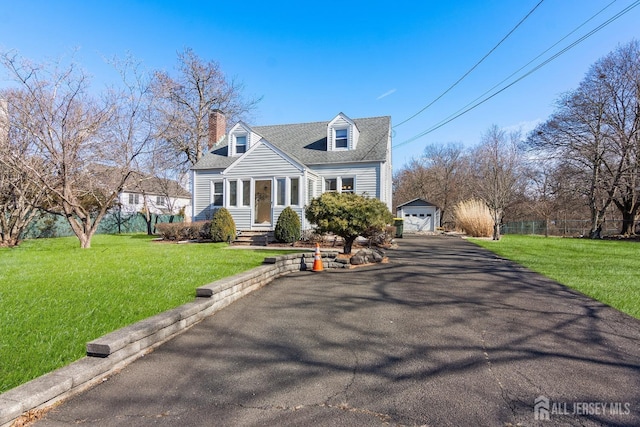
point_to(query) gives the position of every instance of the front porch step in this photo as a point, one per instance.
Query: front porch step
(254, 238)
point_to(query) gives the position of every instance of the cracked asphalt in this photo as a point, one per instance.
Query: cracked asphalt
(446, 333)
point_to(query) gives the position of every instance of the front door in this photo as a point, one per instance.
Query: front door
(262, 202)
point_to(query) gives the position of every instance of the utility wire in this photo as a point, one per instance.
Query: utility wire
(530, 62)
(472, 68)
(561, 52)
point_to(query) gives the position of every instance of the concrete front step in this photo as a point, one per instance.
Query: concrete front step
(254, 238)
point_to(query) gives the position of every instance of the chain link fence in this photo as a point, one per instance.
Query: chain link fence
(565, 227)
(49, 225)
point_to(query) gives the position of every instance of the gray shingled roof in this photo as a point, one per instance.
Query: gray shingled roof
(307, 143)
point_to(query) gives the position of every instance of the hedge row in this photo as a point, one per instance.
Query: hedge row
(221, 228)
(182, 231)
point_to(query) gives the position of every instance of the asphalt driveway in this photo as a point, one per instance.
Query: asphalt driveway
(444, 334)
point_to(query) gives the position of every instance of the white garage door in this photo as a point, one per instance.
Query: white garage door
(417, 219)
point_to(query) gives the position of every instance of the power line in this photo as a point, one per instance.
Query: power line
(444, 121)
(472, 68)
(536, 68)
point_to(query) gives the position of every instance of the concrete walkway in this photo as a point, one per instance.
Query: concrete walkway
(445, 334)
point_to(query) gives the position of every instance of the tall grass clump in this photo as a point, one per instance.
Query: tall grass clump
(473, 217)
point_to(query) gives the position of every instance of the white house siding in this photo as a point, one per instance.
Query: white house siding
(366, 176)
(202, 192)
(241, 217)
(262, 161)
(176, 203)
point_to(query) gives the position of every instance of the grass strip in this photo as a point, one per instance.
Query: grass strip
(606, 270)
(55, 297)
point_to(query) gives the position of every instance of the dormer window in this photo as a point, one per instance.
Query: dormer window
(342, 134)
(241, 144)
(342, 138)
(240, 139)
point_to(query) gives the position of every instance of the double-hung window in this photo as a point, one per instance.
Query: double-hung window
(342, 140)
(218, 193)
(241, 144)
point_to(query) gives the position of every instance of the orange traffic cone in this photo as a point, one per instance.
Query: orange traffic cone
(317, 259)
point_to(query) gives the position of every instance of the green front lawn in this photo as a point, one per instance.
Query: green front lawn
(606, 270)
(55, 297)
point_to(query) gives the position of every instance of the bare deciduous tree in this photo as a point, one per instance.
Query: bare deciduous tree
(20, 195)
(186, 100)
(498, 167)
(595, 131)
(77, 136)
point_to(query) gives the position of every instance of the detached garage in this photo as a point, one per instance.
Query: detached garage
(419, 215)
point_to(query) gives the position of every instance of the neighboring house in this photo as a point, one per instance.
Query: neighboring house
(255, 172)
(159, 195)
(418, 215)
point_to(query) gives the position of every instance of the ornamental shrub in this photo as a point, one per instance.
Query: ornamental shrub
(348, 215)
(288, 226)
(181, 230)
(223, 228)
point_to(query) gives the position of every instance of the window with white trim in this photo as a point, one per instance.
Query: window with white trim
(311, 190)
(340, 184)
(347, 185)
(217, 198)
(330, 184)
(233, 193)
(295, 191)
(134, 199)
(241, 144)
(280, 191)
(160, 201)
(246, 193)
(342, 138)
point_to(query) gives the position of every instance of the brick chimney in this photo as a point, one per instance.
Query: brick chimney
(217, 127)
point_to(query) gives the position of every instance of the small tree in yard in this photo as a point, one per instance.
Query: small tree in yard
(347, 215)
(288, 226)
(223, 228)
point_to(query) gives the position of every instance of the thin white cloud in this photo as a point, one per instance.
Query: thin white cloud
(387, 93)
(524, 127)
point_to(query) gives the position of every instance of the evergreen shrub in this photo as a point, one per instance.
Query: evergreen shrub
(288, 226)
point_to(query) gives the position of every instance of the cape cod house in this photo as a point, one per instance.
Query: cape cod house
(257, 171)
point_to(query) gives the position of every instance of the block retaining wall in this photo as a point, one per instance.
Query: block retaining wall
(115, 350)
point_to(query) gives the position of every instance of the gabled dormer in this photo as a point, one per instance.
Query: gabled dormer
(342, 134)
(241, 138)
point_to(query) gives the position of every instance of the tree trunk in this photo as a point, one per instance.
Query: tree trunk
(496, 230)
(546, 226)
(148, 219)
(348, 244)
(628, 220)
(85, 241)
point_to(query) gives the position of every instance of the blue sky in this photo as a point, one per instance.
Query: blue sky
(312, 60)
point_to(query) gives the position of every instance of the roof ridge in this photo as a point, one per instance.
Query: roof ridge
(316, 122)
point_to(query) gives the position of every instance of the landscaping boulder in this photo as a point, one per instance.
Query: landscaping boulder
(367, 256)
